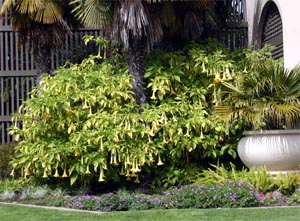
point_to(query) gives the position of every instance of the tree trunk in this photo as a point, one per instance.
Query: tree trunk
(135, 61)
(42, 58)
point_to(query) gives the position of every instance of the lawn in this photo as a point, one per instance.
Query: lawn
(15, 213)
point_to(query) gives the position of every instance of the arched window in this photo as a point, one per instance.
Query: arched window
(272, 30)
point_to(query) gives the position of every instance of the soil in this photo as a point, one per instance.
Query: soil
(281, 201)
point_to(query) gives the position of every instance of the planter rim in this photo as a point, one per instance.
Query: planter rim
(271, 132)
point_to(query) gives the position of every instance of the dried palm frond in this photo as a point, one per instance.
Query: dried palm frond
(193, 25)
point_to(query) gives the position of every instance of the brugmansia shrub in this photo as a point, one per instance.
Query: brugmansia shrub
(83, 123)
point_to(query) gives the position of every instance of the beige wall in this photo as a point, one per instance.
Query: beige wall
(290, 15)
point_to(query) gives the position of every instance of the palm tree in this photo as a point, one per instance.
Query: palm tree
(137, 24)
(267, 97)
(41, 23)
(140, 24)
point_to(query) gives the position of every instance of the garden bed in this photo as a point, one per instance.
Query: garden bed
(228, 195)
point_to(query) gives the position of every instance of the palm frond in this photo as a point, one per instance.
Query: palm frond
(50, 13)
(284, 114)
(269, 96)
(131, 22)
(7, 4)
(92, 13)
(29, 6)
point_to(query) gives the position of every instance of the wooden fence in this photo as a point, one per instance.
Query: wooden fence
(18, 73)
(235, 34)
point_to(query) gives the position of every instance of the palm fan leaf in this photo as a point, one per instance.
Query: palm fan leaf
(93, 13)
(50, 13)
(268, 95)
(22, 7)
(131, 21)
(7, 4)
(285, 113)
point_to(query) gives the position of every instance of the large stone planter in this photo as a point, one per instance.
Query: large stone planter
(278, 150)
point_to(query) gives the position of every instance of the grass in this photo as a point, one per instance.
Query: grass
(16, 212)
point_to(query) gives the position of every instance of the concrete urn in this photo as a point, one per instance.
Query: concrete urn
(278, 150)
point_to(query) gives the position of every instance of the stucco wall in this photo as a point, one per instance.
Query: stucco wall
(290, 15)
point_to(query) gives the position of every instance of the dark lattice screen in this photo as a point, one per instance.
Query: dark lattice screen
(272, 31)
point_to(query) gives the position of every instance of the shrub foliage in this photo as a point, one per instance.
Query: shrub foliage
(83, 123)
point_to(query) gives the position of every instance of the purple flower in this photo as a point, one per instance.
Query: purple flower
(86, 196)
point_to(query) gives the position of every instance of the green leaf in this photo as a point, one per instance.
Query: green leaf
(73, 179)
(177, 78)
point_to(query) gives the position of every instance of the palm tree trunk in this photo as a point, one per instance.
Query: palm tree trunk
(135, 61)
(42, 57)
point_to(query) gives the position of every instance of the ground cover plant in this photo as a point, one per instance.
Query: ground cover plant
(230, 194)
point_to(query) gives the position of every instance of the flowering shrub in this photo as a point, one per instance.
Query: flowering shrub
(230, 194)
(83, 124)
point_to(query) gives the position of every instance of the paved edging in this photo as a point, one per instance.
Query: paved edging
(97, 212)
(52, 207)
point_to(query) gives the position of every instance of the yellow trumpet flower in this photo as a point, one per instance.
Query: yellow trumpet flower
(27, 172)
(127, 173)
(115, 162)
(179, 131)
(201, 135)
(153, 97)
(56, 173)
(116, 139)
(128, 161)
(45, 173)
(122, 173)
(64, 174)
(136, 179)
(87, 170)
(151, 158)
(203, 67)
(101, 176)
(85, 106)
(142, 161)
(159, 161)
(111, 158)
(133, 168)
(12, 173)
(165, 141)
